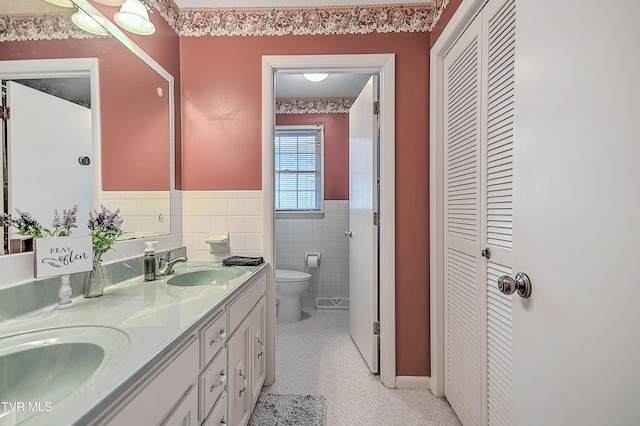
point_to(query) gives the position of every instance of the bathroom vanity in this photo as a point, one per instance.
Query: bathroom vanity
(187, 349)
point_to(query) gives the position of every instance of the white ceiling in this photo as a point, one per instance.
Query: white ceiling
(284, 3)
(334, 86)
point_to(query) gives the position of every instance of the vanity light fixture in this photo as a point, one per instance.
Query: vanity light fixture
(133, 17)
(90, 23)
(61, 3)
(316, 77)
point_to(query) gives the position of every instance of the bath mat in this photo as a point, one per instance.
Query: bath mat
(274, 409)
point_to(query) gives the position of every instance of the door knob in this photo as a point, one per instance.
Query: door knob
(521, 284)
(348, 234)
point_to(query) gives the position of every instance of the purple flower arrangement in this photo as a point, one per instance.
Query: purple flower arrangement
(106, 228)
(27, 225)
(62, 227)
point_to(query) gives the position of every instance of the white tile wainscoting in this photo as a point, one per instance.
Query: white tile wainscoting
(208, 212)
(295, 237)
(144, 213)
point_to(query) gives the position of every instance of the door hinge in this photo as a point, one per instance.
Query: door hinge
(376, 327)
(376, 107)
(376, 218)
(5, 112)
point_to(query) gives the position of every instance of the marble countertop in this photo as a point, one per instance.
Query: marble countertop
(154, 318)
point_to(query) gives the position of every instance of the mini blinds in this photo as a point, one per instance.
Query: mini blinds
(298, 168)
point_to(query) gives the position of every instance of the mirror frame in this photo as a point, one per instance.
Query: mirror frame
(18, 267)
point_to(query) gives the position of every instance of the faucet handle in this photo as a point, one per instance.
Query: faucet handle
(166, 256)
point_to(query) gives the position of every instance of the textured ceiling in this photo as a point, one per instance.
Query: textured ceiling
(284, 3)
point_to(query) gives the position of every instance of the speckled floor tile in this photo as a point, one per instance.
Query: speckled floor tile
(317, 356)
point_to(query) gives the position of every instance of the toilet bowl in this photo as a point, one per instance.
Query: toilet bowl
(289, 287)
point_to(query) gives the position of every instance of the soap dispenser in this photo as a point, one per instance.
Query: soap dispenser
(150, 264)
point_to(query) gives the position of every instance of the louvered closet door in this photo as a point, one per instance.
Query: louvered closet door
(478, 186)
(463, 291)
(497, 152)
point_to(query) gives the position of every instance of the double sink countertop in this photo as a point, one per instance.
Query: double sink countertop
(135, 322)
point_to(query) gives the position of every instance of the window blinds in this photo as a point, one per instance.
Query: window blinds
(298, 168)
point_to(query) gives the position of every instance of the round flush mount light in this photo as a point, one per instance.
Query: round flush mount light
(90, 23)
(110, 2)
(133, 17)
(61, 3)
(316, 77)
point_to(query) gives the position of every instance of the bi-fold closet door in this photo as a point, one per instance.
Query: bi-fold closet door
(479, 84)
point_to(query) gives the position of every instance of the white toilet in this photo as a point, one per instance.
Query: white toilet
(289, 287)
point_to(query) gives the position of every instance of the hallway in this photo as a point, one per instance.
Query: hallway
(317, 356)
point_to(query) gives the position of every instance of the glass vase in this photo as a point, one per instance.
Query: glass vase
(94, 280)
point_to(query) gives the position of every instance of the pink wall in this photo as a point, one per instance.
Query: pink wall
(221, 94)
(336, 149)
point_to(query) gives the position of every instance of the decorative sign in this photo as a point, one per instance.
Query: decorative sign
(62, 255)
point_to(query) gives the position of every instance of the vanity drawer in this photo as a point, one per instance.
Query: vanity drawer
(240, 308)
(212, 338)
(212, 383)
(219, 414)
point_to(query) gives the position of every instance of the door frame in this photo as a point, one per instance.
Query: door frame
(463, 16)
(384, 65)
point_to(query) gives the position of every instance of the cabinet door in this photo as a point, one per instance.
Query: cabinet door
(186, 413)
(239, 356)
(258, 316)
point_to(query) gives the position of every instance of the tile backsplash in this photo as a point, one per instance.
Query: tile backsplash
(295, 237)
(209, 212)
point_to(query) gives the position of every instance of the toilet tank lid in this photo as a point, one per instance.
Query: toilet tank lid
(286, 276)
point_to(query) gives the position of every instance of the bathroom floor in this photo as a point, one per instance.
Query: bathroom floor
(317, 356)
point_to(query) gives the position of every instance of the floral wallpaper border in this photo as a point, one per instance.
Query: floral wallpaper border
(314, 105)
(248, 21)
(53, 26)
(310, 20)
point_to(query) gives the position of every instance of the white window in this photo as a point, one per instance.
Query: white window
(298, 168)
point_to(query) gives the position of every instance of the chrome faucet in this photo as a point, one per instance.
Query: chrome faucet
(166, 264)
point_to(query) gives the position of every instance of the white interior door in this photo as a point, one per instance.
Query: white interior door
(463, 290)
(363, 202)
(48, 133)
(576, 227)
(479, 78)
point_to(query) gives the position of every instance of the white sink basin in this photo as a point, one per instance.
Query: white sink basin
(46, 366)
(211, 276)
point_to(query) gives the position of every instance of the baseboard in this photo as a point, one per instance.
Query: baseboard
(413, 382)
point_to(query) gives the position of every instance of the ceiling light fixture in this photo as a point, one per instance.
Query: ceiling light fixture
(316, 77)
(61, 3)
(90, 23)
(133, 17)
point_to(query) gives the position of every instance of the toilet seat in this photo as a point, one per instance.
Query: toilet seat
(286, 276)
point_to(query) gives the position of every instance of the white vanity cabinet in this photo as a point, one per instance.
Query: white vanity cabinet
(165, 395)
(213, 377)
(245, 351)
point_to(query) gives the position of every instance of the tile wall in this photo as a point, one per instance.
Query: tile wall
(295, 237)
(208, 212)
(144, 212)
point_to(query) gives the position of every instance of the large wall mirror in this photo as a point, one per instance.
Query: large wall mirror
(80, 133)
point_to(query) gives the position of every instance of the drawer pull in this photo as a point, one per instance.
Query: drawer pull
(261, 345)
(223, 421)
(220, 338)
(221, 382)
(244, 384)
